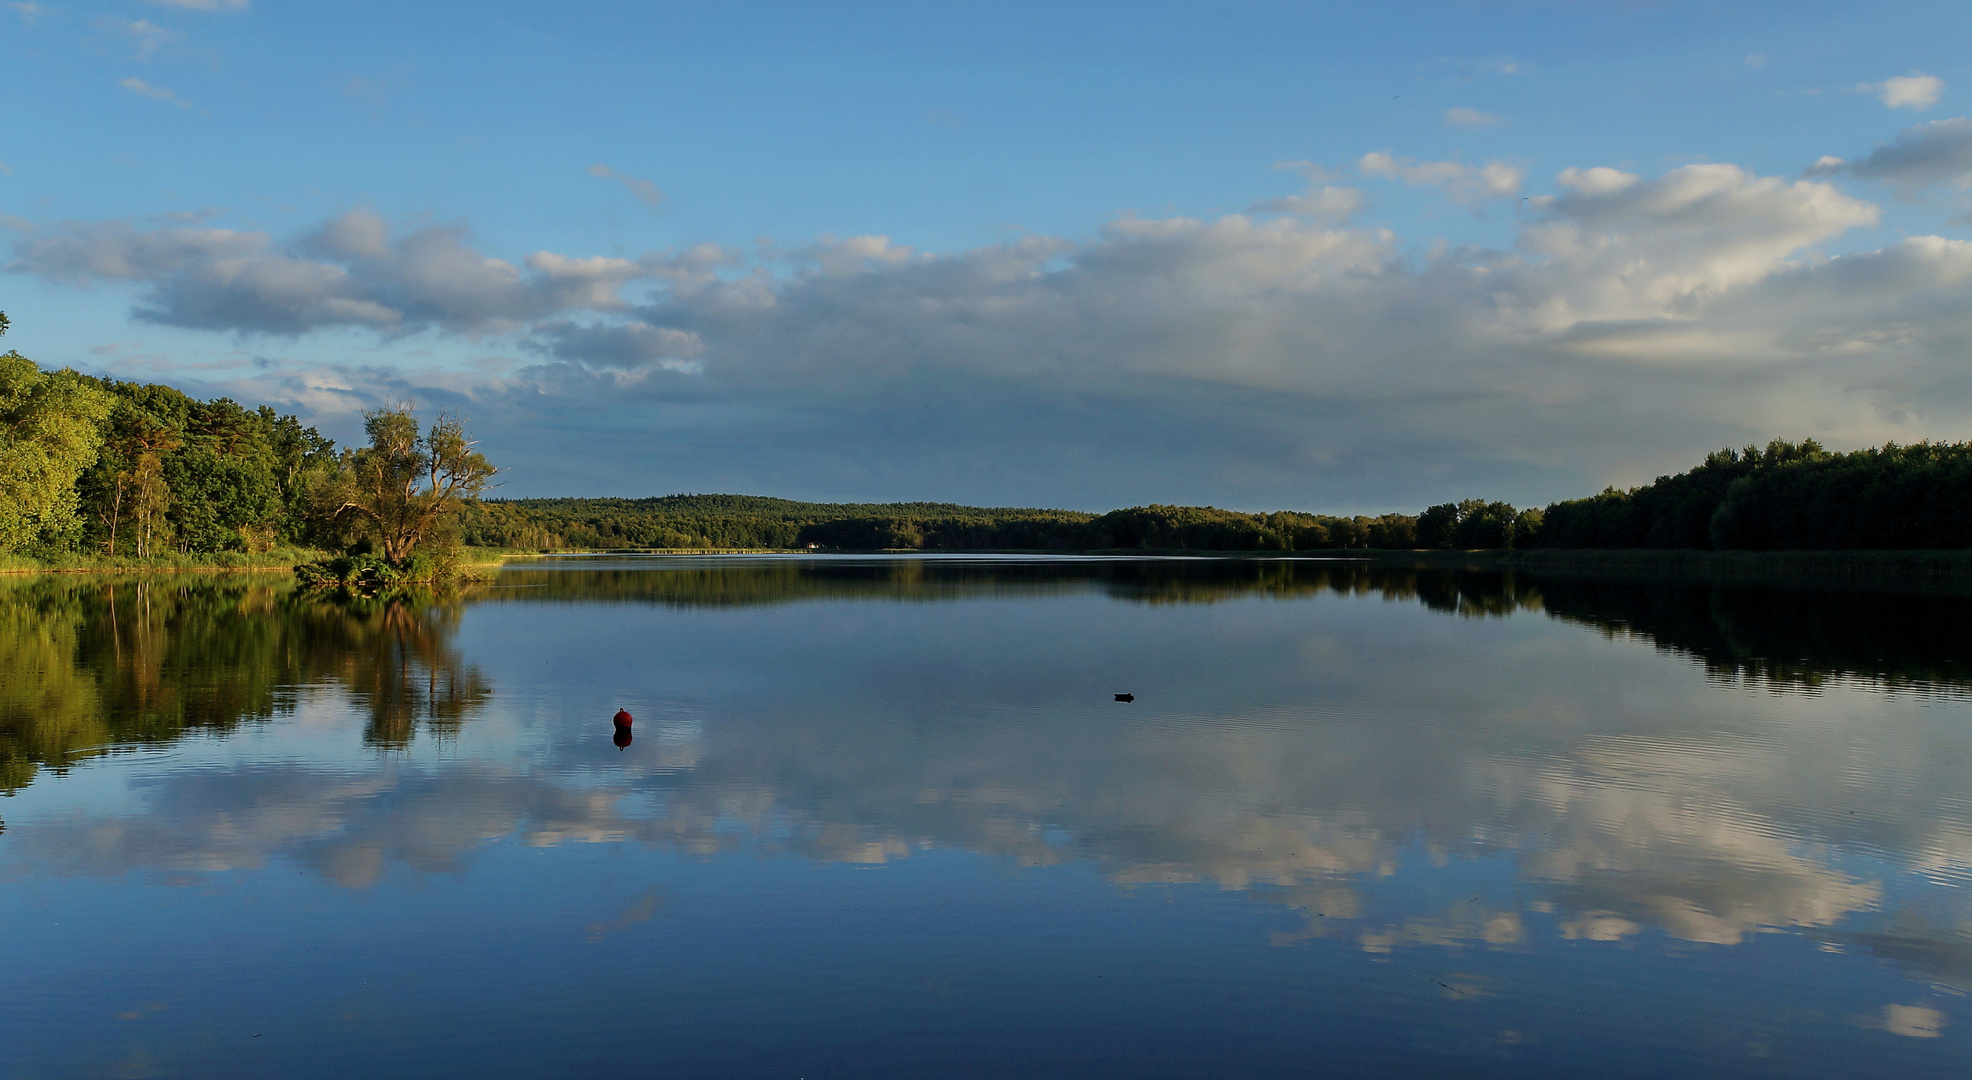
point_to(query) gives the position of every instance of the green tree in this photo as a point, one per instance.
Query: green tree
(405, 486)
(304, 466)
(1436, 525)
(1475, 523)
(150, 501)
(49, 433)
(1484, 525)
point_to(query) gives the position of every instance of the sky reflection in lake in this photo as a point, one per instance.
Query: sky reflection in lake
(884, 817)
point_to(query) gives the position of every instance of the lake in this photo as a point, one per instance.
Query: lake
(885, 818)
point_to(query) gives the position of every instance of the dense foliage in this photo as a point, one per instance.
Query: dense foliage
(1787, 496)
(178, 474)
(123, 468)
(744, 521)
(49, 433)
(404, 488)
(734, 521)
(1476, 523)
(103, 467)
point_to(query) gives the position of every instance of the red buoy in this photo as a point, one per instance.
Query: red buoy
(623, 718)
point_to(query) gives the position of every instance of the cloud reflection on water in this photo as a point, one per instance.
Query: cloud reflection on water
(1358, 747)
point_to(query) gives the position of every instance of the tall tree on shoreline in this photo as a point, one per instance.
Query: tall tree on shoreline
(405, 485)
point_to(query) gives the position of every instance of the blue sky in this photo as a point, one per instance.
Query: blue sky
(1256, 255)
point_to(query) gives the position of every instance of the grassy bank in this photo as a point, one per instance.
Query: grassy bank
(488, 556)
(217, 562)
(278, 559)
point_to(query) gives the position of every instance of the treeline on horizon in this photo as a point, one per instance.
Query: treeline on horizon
(739, 521)
(1782, 497)
(104, 467)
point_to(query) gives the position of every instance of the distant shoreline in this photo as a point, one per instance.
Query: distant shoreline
(1735, 565)
(224, 562)
(1723, 564)
(1739, 565)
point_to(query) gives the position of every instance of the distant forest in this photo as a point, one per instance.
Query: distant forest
(101, 467)
(740, 521)
(1785, 496)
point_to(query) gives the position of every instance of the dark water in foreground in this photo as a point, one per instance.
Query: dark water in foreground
(883, 818)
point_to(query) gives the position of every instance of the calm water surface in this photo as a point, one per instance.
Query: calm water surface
(882, 818)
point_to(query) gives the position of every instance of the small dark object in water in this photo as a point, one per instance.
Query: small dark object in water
(622, 718)
(622, 736)
(1126, 697)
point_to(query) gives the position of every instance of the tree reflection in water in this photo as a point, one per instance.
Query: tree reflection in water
(1712, 826)
(87, 663)
(1783, 633)
(90, 663)
(395, 658)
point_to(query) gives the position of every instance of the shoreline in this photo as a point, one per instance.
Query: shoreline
(1711, 564)
(1736, 565)
(1876, 567)
(226, 562)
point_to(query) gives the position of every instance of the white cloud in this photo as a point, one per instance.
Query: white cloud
(1913, 91)
(1458, 116)
(1327, 204)
(28, 11)
(1287, 358)
(155, 93)
(350, 272)
(207, 5)
(1599, 180)
(643, 191)
(1464, 184)
(1626, 249)
(1756, 61)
